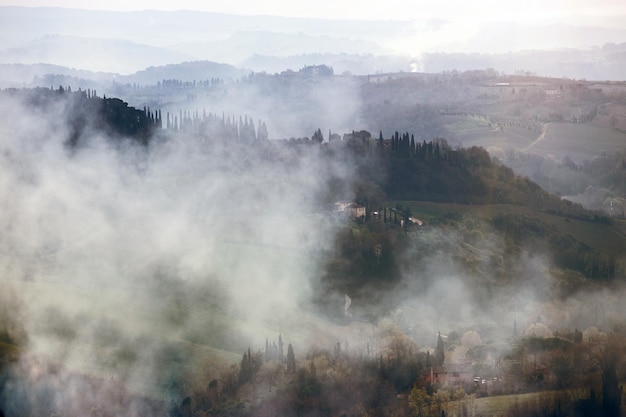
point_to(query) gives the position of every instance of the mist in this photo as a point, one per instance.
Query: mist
(138, 263)
(463, 279)
(132, 272)
(293, 105)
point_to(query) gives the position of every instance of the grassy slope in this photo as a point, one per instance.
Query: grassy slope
(499, 405)
(579, 141)
(606, 238)
(475, 131)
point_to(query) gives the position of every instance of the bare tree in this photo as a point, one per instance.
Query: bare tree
(605, 353)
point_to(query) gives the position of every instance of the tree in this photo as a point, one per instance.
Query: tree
(441, 399)
(418, 398)
(407, 215)
(245, 370)
(318, 136)
(606, 353)
(439, 352)
(291, 359)
(262, 133)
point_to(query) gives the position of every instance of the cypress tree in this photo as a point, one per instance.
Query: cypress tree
(291, 359)
(439, 353)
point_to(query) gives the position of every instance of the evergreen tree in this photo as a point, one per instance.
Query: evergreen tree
(318, 136)
(245, 369)
(291, 359)
(439, 353)
(407, 215)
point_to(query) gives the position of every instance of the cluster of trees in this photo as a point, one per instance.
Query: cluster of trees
(433, 171)
(87, 113)
(306, 71)
(326, 382)
(179, 84)
(405, 146)
(596, 182)
(215, 127)
(395, 381)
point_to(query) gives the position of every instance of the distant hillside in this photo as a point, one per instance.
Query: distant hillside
(19, 75)
(241, 45)
(49, 75)
(597, 63)
(88, 115)
(394, 169)
(93, 54)
(354, 63)
(159, 38)
(186, 71)
(433, 171)
(468, 193)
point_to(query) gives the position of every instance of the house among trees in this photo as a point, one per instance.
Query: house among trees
(353, 209)
(448, 375)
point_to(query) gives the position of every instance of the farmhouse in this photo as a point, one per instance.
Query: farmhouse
(353, 209)
(416, 221)
(452, 374)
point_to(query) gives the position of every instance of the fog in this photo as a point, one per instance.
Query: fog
(138, 266)
(292, 105)
(131, 262)
(462, 280)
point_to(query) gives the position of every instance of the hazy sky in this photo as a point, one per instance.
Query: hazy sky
(528, 10)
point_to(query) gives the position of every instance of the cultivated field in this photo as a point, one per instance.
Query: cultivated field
(502, 405)
(578, 141)
(603, 237)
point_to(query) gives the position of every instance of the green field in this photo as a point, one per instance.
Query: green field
(477, 131)
(499, 405)
(606, 238)
(578, 141)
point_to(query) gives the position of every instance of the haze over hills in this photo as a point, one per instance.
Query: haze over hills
(142, 258)
(137, 40)
(249, 216)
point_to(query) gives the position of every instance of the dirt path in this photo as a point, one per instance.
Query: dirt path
(541, 137)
